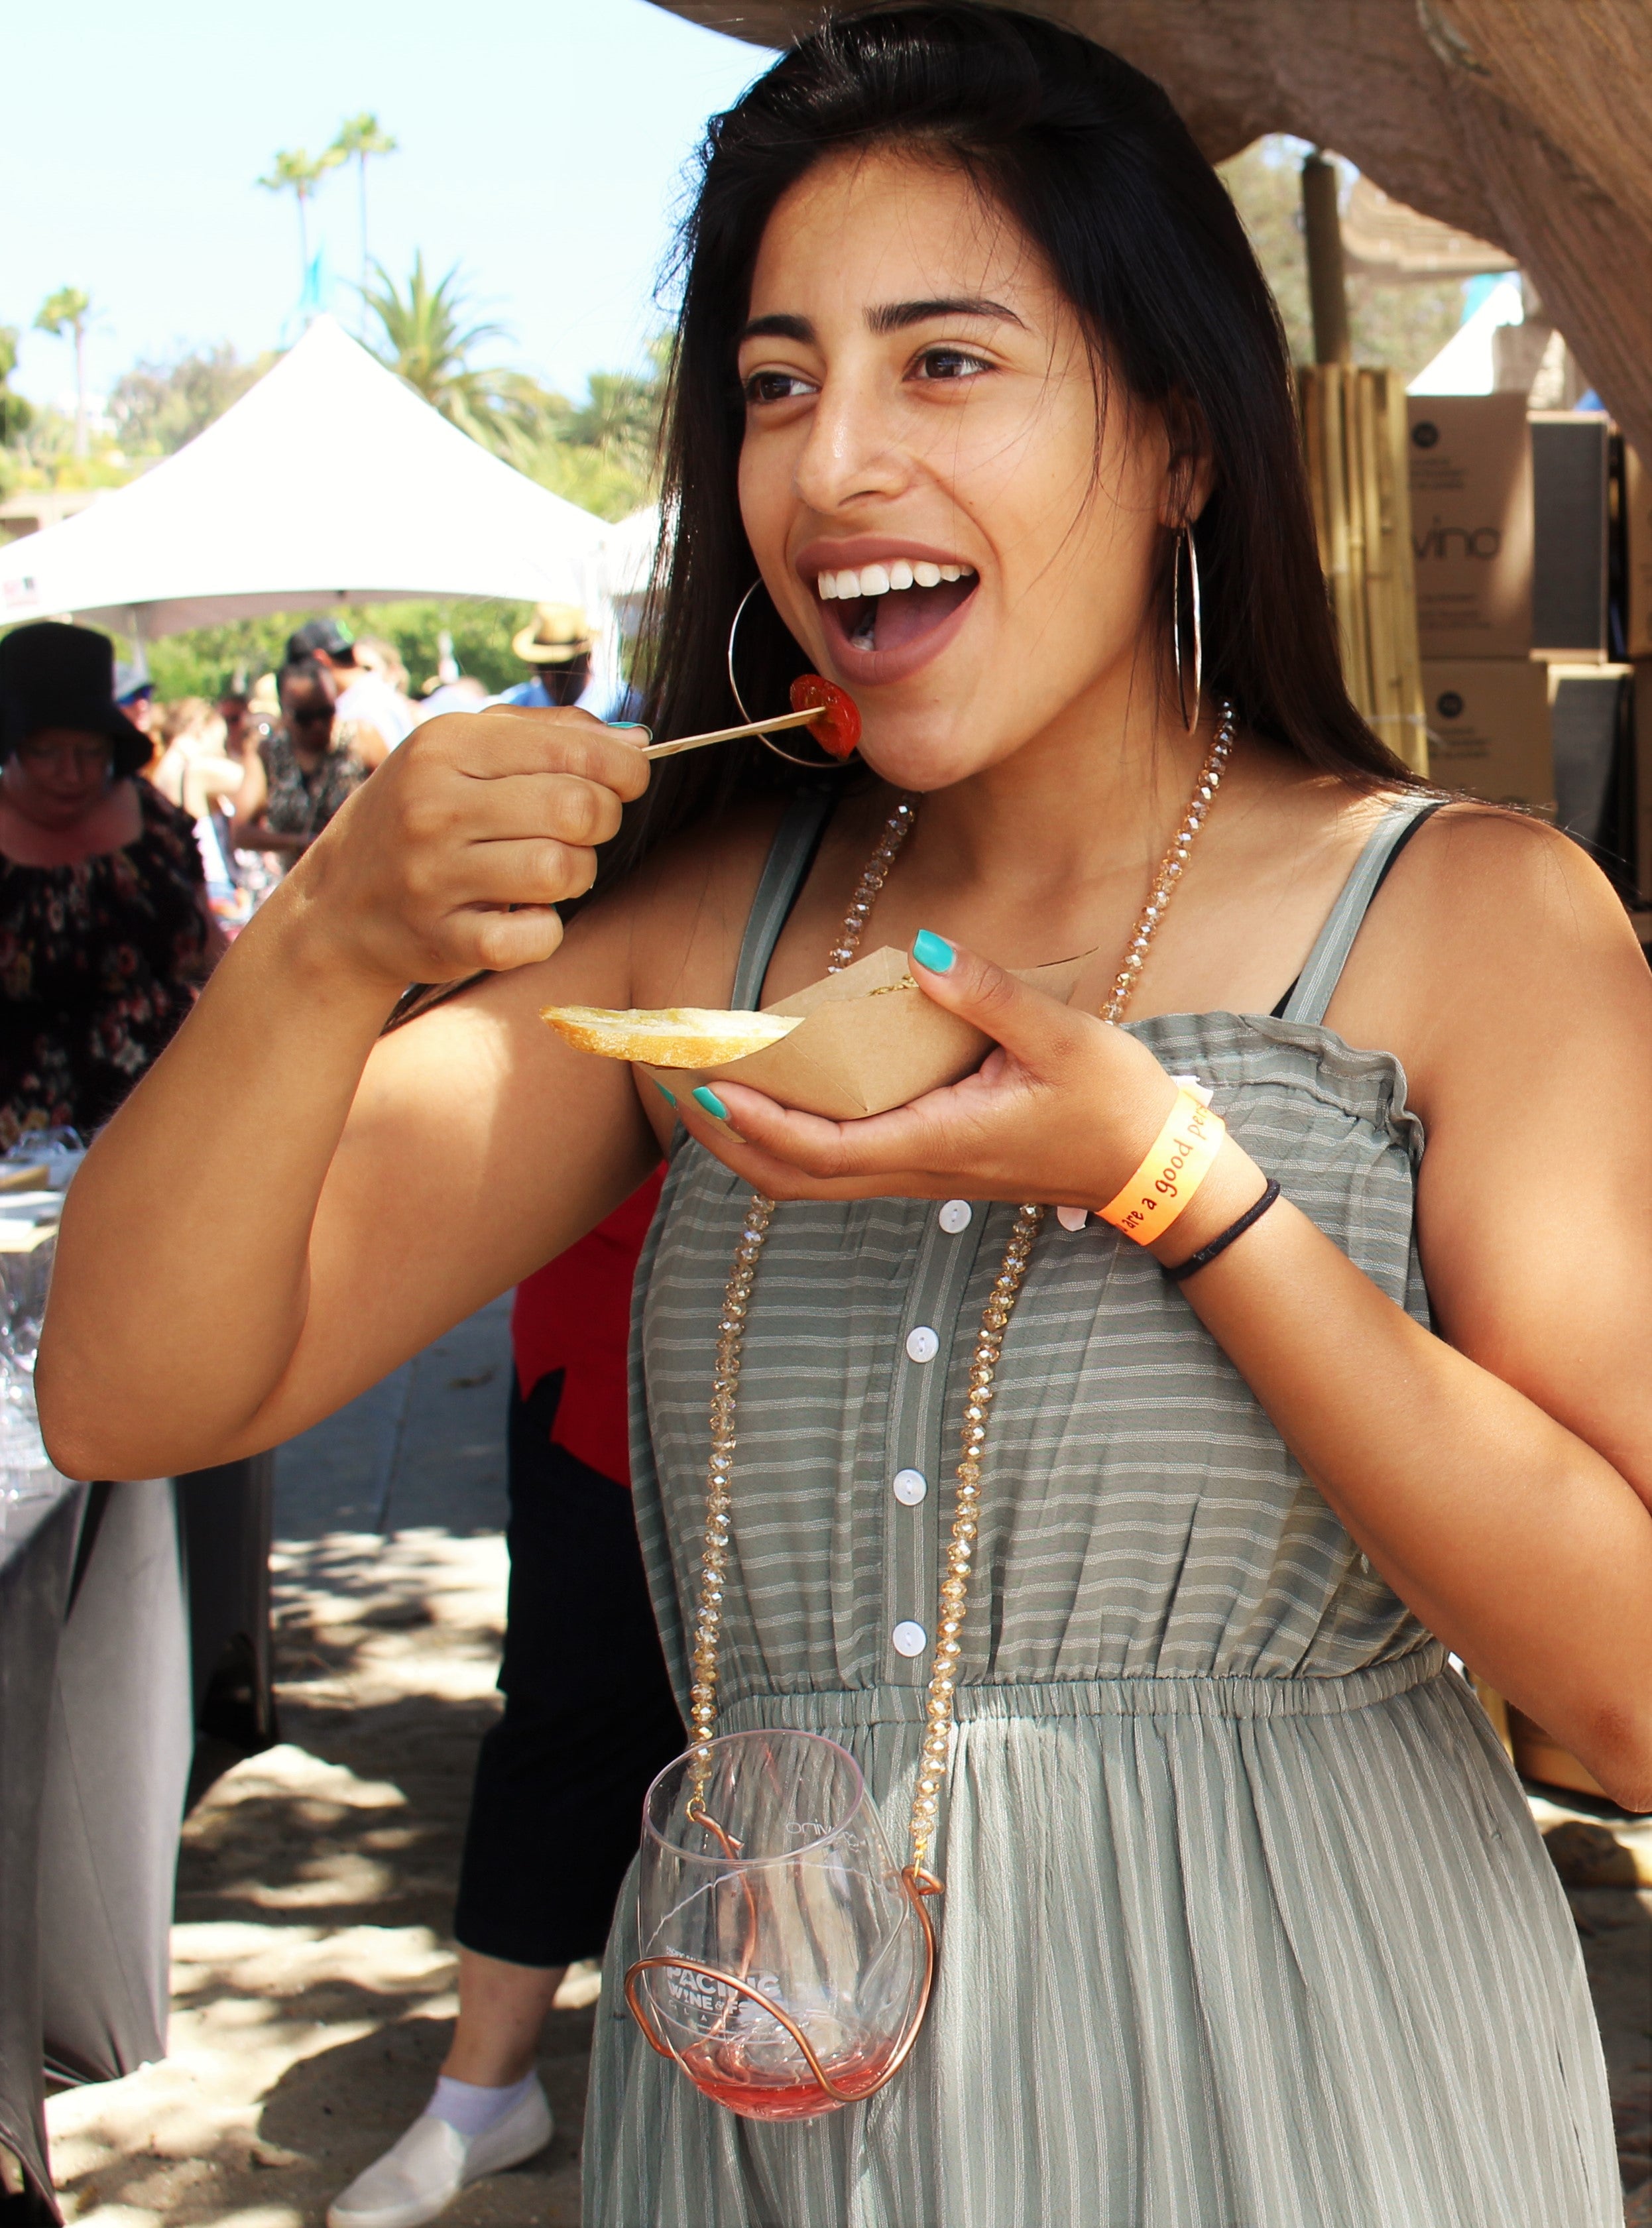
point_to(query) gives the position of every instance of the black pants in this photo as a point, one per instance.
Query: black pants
(589, 1717)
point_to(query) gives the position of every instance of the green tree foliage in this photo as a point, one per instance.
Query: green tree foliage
(65, 313)
(1402, 325)
(16, 411)
(296, 172)
(201, 663)
(604, 454)
(157, 407)
(359, 139)
(423, 338)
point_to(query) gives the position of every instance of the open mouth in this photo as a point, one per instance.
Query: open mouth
(883, 608)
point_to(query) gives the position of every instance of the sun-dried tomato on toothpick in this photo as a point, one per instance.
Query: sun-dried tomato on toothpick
(838, 728)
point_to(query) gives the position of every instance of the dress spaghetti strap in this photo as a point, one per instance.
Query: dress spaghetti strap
(1315, 987)
(784, 871)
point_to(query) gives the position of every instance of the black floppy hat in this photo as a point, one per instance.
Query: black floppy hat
(53, 676)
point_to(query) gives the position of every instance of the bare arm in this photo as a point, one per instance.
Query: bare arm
(247, 831)
(286, 1207)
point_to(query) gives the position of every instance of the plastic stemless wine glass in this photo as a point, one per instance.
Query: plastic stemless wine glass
(785, 1963)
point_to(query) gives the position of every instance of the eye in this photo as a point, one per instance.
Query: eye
(775, 386)
(950, 363)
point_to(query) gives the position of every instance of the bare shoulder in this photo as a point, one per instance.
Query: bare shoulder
(1493, 939)
(685, 909)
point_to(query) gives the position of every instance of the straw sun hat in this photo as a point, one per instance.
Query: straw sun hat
(560, 633)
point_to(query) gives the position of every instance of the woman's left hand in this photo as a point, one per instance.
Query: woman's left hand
(1062, 1109)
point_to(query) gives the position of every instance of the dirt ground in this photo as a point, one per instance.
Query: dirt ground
(313, 1967)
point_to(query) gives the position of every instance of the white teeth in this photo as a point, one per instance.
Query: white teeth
(878, 579)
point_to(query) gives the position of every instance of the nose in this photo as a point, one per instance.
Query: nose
(853, 451)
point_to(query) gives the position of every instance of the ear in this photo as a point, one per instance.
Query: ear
(1190, 468)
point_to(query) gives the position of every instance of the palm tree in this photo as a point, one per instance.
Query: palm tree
(427, 342)
(69, 308)
(361, 136)
(15, 413)
(299, 173)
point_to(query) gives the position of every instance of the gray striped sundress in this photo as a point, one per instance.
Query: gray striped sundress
(1246, 1924)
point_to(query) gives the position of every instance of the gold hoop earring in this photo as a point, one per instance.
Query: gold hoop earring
(814, 765)
(1184, 535)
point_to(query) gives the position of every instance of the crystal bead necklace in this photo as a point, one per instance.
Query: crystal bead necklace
(983, 1364)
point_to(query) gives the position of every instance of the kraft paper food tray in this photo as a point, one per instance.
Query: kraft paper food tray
(870, 1040)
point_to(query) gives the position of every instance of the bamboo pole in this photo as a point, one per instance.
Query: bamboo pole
(1354, 425)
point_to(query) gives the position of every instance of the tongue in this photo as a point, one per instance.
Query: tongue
(906, 613)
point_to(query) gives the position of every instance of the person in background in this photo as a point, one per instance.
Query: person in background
(312, 761)
(379, 660)
(240, 725)
(135, 696)
(557, 645)
(589, 1721)
(367, 700)
(264, 705)
(105, 933)
(192, 739)
(465, 693)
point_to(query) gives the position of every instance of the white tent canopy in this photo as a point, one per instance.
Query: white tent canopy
(628, 550)
(329, 481)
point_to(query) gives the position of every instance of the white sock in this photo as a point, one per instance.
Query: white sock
(472, 2110)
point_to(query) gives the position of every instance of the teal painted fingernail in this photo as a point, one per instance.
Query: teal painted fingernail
(704, 1096)
(669, 1097)
(932, 951)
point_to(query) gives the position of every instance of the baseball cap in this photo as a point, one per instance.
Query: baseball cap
(324, 635)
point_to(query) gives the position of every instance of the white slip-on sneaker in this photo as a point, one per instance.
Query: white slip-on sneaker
(421, 2174)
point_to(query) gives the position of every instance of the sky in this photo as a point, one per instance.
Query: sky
(542, 147)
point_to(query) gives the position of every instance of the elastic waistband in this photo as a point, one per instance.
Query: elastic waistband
(829, 1710)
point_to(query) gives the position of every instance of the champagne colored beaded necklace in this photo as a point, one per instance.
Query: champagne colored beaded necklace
(983, 1364)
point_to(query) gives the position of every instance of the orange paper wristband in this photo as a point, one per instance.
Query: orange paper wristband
(1176, 1163)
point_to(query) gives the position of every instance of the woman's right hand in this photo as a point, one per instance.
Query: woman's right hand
(455, 855)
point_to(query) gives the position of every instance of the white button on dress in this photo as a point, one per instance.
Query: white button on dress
(910, 1639)
(911, 1486)
(954, 1216)
(922, 1345)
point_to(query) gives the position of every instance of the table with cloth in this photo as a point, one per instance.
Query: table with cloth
(121, 1608)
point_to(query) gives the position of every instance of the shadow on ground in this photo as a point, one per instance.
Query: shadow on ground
(313, 1971)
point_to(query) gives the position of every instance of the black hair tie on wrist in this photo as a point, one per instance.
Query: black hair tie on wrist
(1207, 1254)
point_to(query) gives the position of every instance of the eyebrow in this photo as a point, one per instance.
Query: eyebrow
(887, 317)
(895, 316)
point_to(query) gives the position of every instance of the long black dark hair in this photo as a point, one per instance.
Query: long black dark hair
(1091, 160)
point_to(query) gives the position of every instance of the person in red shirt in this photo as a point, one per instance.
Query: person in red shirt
(589, 1720)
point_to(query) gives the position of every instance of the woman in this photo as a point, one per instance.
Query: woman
(312, 762)
(1245, 1918)
(104, 934)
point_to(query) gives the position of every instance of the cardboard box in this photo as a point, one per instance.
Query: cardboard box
(1489, 729)
(1589, 712)
(1643, 763)
(1570, 533)
(1637, 556)
(1472, 524)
